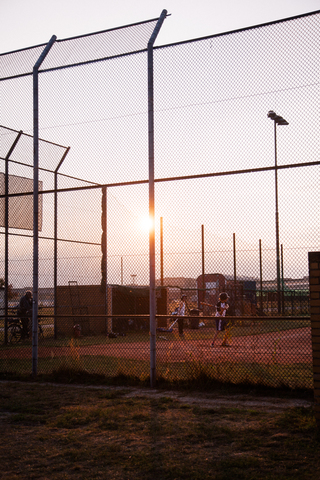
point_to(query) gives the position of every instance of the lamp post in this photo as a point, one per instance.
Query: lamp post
(277, 120)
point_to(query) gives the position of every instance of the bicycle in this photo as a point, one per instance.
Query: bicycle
(16, 333)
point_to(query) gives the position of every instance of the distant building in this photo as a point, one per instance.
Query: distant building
(293, 284)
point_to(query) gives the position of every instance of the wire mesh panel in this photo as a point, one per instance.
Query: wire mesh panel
(251, 350)
(242, 203)
(236, 203)
(92, 242)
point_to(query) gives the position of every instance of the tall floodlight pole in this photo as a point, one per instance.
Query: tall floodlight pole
(277, 120)
(152, 253)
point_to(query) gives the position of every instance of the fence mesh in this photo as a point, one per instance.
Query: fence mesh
(226, 177)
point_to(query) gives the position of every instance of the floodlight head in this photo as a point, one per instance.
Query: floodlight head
(271, 114)
(277, 119)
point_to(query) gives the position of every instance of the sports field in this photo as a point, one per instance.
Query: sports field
(289, 346)
(277, 357)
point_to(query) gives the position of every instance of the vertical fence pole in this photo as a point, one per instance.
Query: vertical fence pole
(121, 270)
(108, 308)
(281, 266)
(36, 204)
(104, 283)
(6, 233)
(202, 262)
(104, 260)
(282, 283)
(314, 283)
(261, 290)
(235, 272)
(55, 254)
(161, 251)
(152, 261)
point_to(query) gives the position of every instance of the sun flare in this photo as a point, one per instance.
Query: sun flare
(146, 223)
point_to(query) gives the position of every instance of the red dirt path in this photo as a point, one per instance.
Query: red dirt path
(290, 346)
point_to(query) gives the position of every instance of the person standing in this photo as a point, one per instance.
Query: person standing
(181, 311)
(221, 323)
(25, 312)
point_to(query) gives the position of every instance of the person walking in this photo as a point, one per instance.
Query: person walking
(181, 311)
(221, 323)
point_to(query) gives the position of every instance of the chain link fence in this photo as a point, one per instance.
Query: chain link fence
(236, 204)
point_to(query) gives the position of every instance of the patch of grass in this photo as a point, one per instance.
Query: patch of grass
(82, 432)
(206, 383)
(291, 376)
(297, 420)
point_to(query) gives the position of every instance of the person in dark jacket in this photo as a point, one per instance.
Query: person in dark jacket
(25, 313)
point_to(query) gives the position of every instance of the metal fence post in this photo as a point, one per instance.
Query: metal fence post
(6, 221)
(235, 273)
(152, 262)
(202, 261)
(261, 284)
(36, 204)
(161, 251)
(55, 260)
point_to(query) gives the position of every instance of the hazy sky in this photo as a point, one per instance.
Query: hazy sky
(26, 23)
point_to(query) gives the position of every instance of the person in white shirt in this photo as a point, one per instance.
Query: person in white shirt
(221, 323)
(181, 311)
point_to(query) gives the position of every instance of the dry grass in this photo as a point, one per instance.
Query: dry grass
(61, 432)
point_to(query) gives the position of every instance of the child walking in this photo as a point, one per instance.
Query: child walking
(221, 323)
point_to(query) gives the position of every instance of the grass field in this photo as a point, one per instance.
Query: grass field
(63, 432)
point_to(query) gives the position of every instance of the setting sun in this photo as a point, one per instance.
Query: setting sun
(146, 223)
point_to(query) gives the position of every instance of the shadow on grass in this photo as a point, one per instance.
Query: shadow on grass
(201, 383)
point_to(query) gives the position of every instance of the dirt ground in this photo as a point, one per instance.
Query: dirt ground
(203, 400)
(217, 400)
(289, 346)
